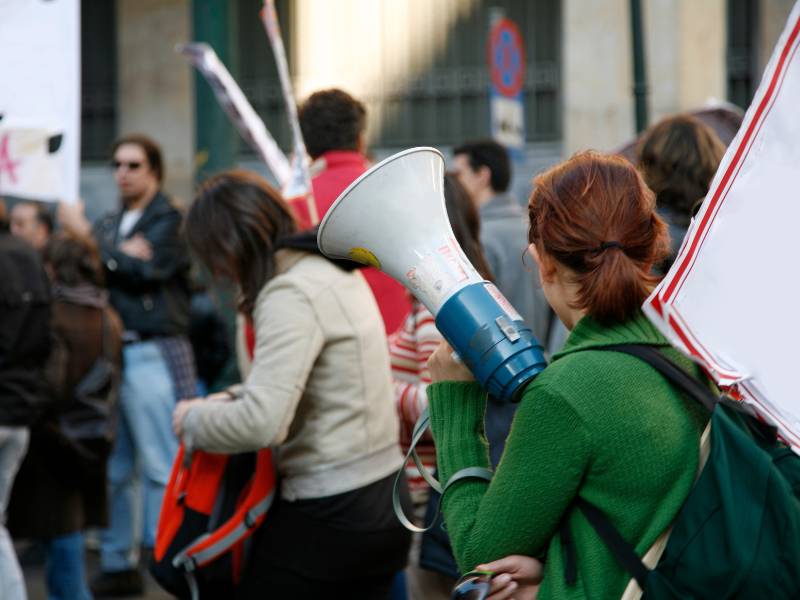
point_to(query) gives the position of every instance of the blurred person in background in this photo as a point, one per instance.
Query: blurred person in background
(61, 488)
(319, 391)
(147, 269)
(334, 129)
(24, 348)
(32, 222)
(597, 425)
(678, 157)
(409, 349)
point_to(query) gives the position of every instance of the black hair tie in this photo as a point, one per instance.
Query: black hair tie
(612, 244)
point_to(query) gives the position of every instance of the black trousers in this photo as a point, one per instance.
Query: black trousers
(345, 546)
(274, 582)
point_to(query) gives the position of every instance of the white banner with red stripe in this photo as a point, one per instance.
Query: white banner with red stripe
(729, 299)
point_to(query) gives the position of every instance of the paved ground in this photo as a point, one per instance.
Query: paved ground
(34, 579)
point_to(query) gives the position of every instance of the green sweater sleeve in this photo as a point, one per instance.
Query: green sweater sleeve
(546, 454)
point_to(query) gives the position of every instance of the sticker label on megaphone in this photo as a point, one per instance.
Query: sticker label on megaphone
(503, 302)
(439, 274)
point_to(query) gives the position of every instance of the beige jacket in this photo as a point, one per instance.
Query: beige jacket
(319, 389)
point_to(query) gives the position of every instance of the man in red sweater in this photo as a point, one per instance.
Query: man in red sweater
(333, 125)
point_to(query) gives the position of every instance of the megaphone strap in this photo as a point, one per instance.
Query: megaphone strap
(420, 427)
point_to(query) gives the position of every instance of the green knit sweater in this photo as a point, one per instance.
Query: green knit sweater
(604, 426)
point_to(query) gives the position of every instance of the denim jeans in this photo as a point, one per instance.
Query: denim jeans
(66, 568)
(13, 445)
(146, 446)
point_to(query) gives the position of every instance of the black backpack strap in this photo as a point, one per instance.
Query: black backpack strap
(676, 375)
(622, 550)
(570, 555)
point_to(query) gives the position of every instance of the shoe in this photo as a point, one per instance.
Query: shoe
(117, 584)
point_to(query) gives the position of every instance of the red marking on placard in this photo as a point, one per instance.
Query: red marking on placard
(656, 304)
(7, 165)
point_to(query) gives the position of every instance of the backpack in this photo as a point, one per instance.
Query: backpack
(212, 505)
(89, 424)
(738, 533)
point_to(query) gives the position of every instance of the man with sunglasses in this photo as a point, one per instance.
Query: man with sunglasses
(147, 273)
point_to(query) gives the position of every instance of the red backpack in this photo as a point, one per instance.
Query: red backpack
(212, 504)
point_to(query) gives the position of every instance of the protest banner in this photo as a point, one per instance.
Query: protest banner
(728, 301)
(300, 181)
(40, 99)
(233, 101)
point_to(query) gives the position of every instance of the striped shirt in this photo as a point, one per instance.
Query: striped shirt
(409, 349)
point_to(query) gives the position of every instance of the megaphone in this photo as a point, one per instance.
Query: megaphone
(394, 218)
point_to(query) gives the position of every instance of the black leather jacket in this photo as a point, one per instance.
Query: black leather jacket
(151, 297)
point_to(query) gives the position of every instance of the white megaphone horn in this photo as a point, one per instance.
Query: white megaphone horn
(394, 218)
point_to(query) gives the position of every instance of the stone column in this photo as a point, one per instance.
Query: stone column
(155, 87)
(771, 21)
(596, 75)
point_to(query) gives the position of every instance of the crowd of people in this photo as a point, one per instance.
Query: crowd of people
(107, 318)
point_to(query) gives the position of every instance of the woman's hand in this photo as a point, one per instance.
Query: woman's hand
(517, 577)
(179, 414)
(443, 365)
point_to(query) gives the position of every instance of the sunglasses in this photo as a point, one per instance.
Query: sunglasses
(474, 585)
(131, 165)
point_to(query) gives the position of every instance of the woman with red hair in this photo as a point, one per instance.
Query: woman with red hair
(601, 426)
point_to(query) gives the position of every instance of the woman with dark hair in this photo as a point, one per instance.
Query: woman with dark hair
(601, 426)
(678, 157)
(319, 391)
(409, 350)
(61, 488)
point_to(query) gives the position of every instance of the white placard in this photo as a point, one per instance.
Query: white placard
(729, 299)
(508, 121)
(40, 99)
